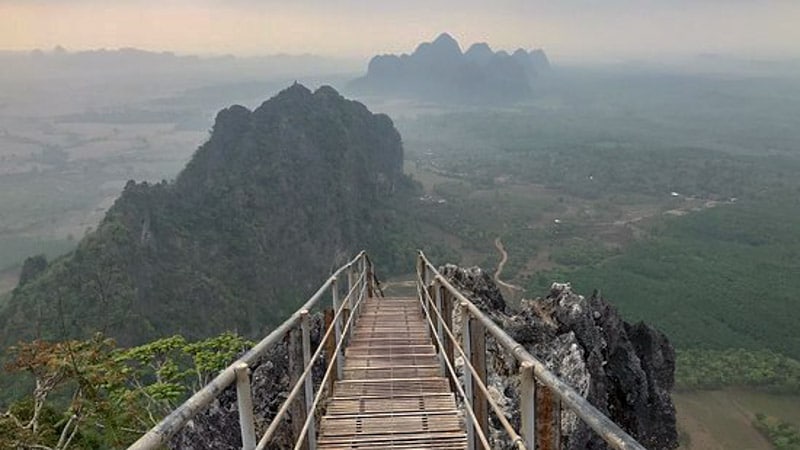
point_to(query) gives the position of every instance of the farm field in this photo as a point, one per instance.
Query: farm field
(723, 419)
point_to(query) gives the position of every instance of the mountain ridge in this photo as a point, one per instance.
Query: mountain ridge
(263, 209)
(439, 71)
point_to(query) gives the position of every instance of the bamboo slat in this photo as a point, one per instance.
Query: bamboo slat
(393, 394)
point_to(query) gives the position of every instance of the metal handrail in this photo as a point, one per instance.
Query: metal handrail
(451, 371)
(265, 439)
(609, 431)
(310, 418)
(440, 324)
(162, 432)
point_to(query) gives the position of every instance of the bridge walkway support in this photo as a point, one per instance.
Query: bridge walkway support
(393, 394)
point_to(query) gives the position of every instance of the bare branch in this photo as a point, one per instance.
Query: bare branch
(65, 431)
(72, 435)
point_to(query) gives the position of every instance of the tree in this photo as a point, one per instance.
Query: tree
(76, 393)
(91, 395)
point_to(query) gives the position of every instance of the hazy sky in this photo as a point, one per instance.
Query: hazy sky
(566, 28)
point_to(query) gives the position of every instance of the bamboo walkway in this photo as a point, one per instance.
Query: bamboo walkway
(393, 394)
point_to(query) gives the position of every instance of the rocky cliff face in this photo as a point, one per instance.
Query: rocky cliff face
(624, 370)
(217, 428)
(439, 71)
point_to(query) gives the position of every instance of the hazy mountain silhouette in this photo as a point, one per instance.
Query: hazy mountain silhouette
(439, 71)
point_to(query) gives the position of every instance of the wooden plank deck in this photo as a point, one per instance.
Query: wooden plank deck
(393, 395)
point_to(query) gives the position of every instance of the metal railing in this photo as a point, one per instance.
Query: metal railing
(542, 393)
(361, 283)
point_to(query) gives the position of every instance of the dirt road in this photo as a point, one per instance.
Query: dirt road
(503, 258)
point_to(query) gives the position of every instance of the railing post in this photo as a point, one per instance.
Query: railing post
(346, 311)
(337, 324)
(296, 368)
(305, 326)
(244, 400)
(437, 296)
(364, 274)
(527, 404)
(423, 271)
(330, 346)
(362, 270)
(352, 296)
(548, 419)
(480, 404)
(428, 300)
(447, 314)
(467, 347)
(370, 280)
(352, 292)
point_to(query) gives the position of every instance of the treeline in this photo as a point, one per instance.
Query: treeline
(782, 435)
(715, 369)
(90, 394)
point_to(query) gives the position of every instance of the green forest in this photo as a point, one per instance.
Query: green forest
(716, 279)
(782, 435)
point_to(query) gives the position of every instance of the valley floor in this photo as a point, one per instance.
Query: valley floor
(712, 420)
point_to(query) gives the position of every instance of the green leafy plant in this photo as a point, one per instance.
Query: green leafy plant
(91, 394)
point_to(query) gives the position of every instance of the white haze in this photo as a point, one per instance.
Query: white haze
(569, 30)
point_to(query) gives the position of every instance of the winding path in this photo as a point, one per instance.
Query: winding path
(503, 258)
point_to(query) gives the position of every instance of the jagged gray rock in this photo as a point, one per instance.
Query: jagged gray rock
(624, 370)
(217, 428)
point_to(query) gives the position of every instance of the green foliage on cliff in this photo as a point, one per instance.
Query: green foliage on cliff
(276, 198)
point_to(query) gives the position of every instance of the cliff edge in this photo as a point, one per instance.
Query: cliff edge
(625, 370)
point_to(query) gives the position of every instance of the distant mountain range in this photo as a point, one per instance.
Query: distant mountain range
(133, 62)
(440, 71)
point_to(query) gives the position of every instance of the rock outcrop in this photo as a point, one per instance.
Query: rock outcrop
(624, 370)
(217, 428)
(439, 71)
